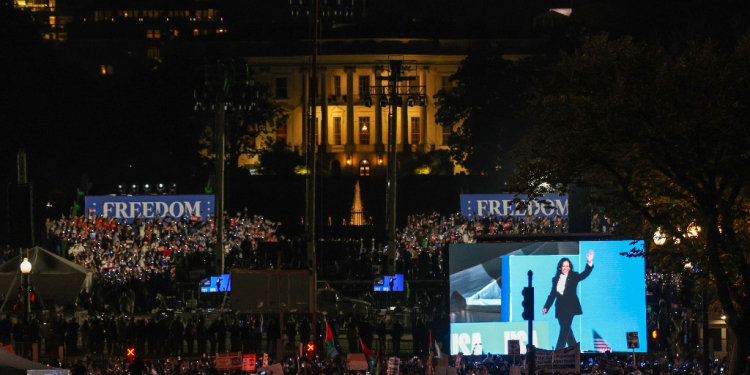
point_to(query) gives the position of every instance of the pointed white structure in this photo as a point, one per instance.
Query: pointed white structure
(358, 214)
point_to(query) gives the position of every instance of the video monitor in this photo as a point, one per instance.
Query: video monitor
(215, 284)
(593, 303)
(388, 283)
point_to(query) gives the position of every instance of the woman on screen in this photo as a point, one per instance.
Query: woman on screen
(567, 305)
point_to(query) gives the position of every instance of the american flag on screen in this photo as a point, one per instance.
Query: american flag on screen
(599, 343)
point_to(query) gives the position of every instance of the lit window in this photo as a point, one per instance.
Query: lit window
(176, 32)
(364, 130)
(157, 34)
(199, 15)
(337, 86)
(414, 85)
(337, 130)
(416, 132)
(364, 168)
(364, 86)
(106, 69)
(281, 130)
(52, 21)
(149, 34)
(196, 32)
(446, 134)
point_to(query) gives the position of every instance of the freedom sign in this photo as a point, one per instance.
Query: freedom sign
(128, 207)
(501, 205)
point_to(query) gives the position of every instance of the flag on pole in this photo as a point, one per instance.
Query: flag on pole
(376, 365)
(365, 349)
(438, 353)
(371, 357)
(330, 345)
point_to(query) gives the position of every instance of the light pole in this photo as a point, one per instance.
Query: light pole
(231, 93)
(396, 84)
(26, 270)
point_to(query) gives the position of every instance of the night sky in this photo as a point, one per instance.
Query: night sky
(140, 126)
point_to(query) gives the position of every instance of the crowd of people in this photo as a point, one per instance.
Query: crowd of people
(597, 364)
(136, 265)
(422, 244)
(150, 251)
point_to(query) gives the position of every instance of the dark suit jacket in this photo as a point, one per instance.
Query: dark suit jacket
(567, 304)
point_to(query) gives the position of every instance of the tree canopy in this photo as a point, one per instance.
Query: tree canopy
(487, 104)
(247, 128)
(662, 142)
(278, 159)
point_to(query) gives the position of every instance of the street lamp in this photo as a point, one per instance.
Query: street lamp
(26, 270)
(659, 237)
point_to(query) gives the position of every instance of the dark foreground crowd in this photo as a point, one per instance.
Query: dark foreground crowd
(428, 365)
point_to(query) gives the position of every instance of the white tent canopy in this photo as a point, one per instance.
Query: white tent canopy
(11, 363)
(52, 277)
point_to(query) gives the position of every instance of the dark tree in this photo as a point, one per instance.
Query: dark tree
(276, 158)
(484, 109)
(662, 142)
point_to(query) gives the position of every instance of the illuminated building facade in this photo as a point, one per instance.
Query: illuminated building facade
(352, 119)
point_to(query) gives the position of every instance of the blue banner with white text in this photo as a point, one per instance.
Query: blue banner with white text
(128, 207)
(500, 205)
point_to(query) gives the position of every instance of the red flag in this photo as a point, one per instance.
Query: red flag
(365, 349)
(330, 345)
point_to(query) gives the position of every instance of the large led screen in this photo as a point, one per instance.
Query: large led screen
(594, 303)
(216, 284)
(389, 283)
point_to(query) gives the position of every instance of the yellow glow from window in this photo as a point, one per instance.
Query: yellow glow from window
(196, 32)
(103, 68)
(425, 169)
(52, 21)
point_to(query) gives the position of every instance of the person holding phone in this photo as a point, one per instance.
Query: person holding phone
(563, 294)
